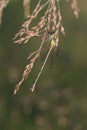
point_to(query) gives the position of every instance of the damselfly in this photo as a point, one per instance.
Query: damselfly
(53, 44)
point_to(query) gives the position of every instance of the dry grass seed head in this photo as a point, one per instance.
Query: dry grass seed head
(50, 21)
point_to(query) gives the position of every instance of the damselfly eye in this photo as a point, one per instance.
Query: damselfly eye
(51, 33)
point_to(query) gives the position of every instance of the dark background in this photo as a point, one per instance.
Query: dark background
(59, 101)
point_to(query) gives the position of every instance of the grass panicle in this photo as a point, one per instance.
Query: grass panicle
(47, 29)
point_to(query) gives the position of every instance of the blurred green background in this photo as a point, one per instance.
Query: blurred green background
(59, 101)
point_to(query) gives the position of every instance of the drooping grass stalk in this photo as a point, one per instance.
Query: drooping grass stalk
(47, 29)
